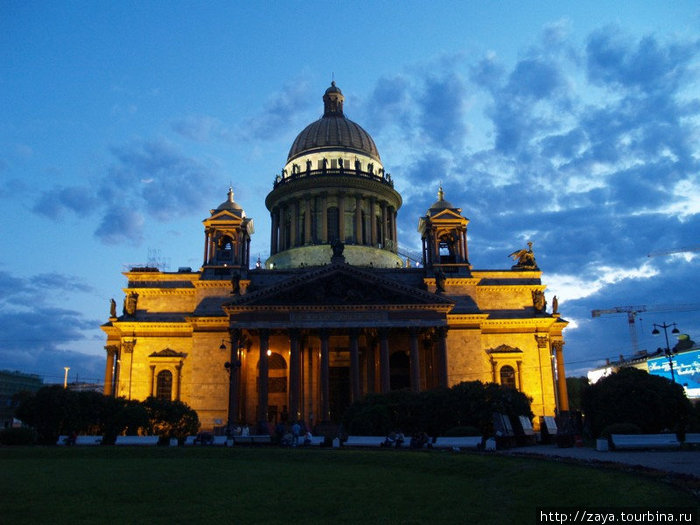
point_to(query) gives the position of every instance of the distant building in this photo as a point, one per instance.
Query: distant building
(686, 367)
(12, 383)
(335, 312)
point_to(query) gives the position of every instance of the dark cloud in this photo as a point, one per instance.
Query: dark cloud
(36, 290)
(617, 61)
(487, 73)
(534, 79)
(442, 107)
(146, 179)
(120, 225)
(202, 128)
(390, 103)
(35, 334)
(280, 112)
(59, 200)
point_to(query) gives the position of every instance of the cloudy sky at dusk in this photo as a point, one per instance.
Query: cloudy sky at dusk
(574, 125)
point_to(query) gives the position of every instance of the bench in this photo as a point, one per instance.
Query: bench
(457, 442)
(637, 441)
(265, 439)
(81, 440)
(137, 440)
(88, 440)
(316, 441)
(692, 439)
(528, 437)
(365, 441)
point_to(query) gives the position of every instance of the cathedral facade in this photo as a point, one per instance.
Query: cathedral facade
(336, 311)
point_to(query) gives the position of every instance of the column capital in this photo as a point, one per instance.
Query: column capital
(541, 341)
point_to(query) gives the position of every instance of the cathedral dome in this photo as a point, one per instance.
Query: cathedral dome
(333, 131)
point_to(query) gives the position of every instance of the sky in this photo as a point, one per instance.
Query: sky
(574, 125)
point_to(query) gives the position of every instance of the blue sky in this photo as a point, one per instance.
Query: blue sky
(570, 124)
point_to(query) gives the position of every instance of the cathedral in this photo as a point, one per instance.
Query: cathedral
(337, 310)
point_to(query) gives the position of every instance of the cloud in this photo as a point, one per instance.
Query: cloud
(279, 112)
(616, 61)
(580, 285)
(120, 225)
(588, 148)
(34, 333)
(145, 179)
(202, 128)
(55, 203)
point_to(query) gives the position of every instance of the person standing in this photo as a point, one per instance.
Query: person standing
(296, 430)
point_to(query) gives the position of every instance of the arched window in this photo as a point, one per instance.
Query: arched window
(508, 376)
(277, 374)
(164, 385)
(225, 248)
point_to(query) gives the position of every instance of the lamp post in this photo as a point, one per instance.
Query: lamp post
(669, 355)
(233, 366)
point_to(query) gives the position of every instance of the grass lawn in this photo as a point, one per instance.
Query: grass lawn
(269, 485)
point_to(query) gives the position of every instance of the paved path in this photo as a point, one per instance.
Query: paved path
(678, 461)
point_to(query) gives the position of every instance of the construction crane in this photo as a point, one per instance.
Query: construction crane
(695, 248)
(632, 312)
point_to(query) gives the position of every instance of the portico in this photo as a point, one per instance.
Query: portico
(337, 333)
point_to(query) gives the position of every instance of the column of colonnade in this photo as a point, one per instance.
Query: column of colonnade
(309, 376)
(289, 230)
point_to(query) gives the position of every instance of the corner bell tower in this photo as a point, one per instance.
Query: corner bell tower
(227, 236)
(444, 234)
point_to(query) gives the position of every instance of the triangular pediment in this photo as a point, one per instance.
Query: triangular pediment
(224, 215)
(504, 349)
(167, 352)
(340, 285)
(447, 214)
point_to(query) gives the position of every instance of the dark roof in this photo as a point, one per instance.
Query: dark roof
(333, 131)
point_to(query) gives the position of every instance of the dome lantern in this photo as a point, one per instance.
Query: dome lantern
(333, 101)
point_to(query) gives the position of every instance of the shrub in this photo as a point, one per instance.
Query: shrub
(465, 405)
(17, 436)
(653, 403)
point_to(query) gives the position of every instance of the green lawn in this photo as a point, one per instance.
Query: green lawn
(269, 485)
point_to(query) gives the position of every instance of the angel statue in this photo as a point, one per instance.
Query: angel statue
(525, 258)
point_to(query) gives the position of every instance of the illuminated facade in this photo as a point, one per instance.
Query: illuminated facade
(335, 312)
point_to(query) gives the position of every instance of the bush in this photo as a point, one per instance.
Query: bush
(462, 431)
(620, 428)
(17, 436)
(653, 403)
(465, 405)
(54, 411)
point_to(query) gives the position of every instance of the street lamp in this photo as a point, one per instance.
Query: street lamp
(669, 355)
(233, 366)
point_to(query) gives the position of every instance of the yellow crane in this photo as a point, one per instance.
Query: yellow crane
(632, 312)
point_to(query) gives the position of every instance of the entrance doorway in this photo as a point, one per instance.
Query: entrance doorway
(339, 394)
(400, 366)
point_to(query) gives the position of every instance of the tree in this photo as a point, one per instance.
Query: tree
(467, 404)
(170, 419)
(575, 387)
(653, 403)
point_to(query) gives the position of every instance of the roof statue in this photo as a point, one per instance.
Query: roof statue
(525, 259)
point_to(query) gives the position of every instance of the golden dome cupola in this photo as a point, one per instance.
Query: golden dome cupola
(332, 188)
